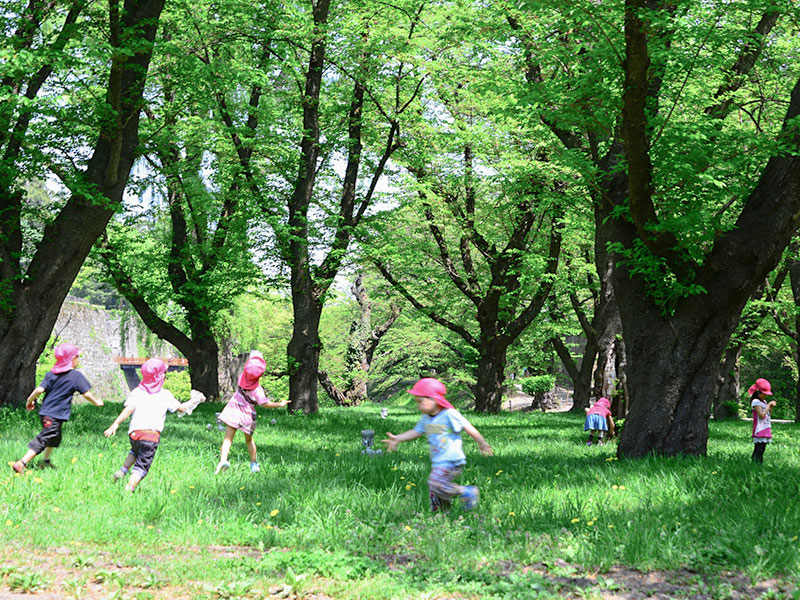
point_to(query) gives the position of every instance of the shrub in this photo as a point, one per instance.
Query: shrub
(179, 384)
(538, 384)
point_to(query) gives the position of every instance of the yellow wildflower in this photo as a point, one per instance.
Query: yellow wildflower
(274, 512)
(575, 520)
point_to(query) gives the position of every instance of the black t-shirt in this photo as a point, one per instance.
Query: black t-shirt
(59, 389)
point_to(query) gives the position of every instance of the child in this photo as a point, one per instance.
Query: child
(60, 383)
(443, 425)
(240, 411)
(762, 428)
(599, 420)
(148, 404)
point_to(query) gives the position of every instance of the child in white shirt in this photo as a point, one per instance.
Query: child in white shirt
(148, 404)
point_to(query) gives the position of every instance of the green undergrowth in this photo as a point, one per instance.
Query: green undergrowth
(320, 511)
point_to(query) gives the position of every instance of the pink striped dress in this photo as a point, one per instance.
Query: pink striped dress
(240, 411)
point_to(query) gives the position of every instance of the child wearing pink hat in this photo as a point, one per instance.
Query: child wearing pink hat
(598, 420)
(442, 424)
(240, 411)
(147, 405)
(762, 427)
(59, 385)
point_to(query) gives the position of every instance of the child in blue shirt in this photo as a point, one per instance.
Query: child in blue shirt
(442, 424)
(59, 385)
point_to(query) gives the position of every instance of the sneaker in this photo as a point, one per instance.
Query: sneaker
(222, 467)
(46, 464)
(469, 499)
(19, 467)
(129, 488)
(118, 474)
(255, 467)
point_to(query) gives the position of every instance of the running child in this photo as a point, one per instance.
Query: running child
(59, 385)
(147, 405)
(762, 411)
(240, 411)
(599, 420)
(442, 424)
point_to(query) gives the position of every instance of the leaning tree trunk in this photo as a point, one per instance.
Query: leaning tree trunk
(728, 385)
(29, 312)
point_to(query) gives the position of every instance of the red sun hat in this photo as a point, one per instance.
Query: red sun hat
(64, 354)
(761, 385)
(431, 388)
(153, 372)
(253, 369)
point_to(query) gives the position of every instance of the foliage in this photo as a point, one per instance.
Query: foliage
(537, 384)
(179, 384)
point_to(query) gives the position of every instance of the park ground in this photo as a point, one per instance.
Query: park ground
(322, 521)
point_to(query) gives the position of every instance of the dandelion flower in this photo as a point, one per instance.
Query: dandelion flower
(615, 487)
(241, 488)
(74, 460)
(274, 512)
(100, 455)
(9, 523)
(56, 509)
(611, 527)
(590, 523)
(794, 539)
(512, 514)
(200, 521)
(498, 473)
(149, 526)
(337, 454)
(267, 526)
(258, 503)
(407, 528)
(402, 477)
(575, 520)
(191, 487)
(622, 487)
(713, 472)
(394, 468)
(173, 491)
(408, 487)
(37, 480)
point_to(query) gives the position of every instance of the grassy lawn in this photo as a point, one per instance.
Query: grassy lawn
(322, 520)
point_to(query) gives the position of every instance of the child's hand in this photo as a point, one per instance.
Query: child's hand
(485, 449)
(284, 402)
(392, 443)
(111, 430)
(772, 404)
(30, 404)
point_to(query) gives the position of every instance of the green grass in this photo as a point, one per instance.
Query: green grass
(322, 515)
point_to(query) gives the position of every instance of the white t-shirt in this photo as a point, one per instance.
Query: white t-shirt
(150, 410)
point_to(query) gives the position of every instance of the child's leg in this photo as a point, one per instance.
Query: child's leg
(225, 449)
(441, 488)
(145, 452)
(758, 452)
(226, 444)
(126, 465)
(251, 447)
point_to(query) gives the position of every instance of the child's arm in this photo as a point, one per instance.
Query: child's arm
(31, 401)
(126, 412)
(195, 398)
(394, 440)
(270, 404)
(611, 425)
(90, 397)
(586, 410)
(485, 448)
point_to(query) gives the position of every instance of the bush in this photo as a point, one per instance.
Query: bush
(538, 384)
(179, 384)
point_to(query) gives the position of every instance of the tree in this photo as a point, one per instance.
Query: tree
(362, 342)
(676, 203)
(180, 275)
(71, 106)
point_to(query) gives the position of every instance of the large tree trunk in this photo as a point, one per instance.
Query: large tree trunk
(31, 308)
(203, 355)
(491, 374)
(303, 352)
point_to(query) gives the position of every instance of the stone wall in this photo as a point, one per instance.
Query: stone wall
(103, 335)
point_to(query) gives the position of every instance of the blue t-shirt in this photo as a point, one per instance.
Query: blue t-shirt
(59, 389)
(444, 436)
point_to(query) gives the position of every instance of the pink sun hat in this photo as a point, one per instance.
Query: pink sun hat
(761, 385)
(153, 373)
(64, 354)
(253, 370)
(431, 388)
